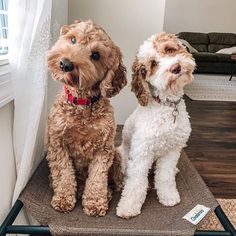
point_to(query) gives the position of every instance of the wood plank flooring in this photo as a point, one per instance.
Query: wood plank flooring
(212, 145)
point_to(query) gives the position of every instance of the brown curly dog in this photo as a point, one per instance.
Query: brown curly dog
(81, 126)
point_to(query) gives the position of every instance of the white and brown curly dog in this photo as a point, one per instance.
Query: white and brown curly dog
(159, 128)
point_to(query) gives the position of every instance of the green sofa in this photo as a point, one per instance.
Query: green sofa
(207, 44)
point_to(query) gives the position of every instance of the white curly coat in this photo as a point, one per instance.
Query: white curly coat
(151, 135)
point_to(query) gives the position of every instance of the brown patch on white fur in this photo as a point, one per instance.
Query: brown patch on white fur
(165, 45)
(80, 140)
(138, 84)
(152, 66)
(168, 44)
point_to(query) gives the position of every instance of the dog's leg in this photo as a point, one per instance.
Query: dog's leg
(63, 180)
(95, 196)
(136, 184)
(124, 148)
(116, 175)
(165, 183)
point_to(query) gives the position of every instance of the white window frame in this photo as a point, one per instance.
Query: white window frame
(6, 92)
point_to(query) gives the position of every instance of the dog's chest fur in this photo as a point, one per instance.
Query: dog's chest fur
(156, 123)
(83, 131)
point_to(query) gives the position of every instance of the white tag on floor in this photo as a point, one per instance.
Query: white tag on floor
(196, 214)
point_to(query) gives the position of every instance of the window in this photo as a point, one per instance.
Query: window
(6, 94)
(3, 27)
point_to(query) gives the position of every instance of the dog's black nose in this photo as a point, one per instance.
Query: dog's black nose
(66, 65)
(175, 69)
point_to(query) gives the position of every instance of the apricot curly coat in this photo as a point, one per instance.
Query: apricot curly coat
(80, 139)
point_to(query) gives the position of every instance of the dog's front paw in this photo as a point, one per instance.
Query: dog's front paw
(170, 199)
(64, 204)
(126, 211)
(95, 208)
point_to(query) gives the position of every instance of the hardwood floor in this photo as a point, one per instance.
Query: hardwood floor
(212, 145)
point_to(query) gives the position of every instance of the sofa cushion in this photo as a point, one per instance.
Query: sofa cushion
(216, 47)
(222, 38)
(212, 57)
(194, 37)
(200, 47)
(198, 40)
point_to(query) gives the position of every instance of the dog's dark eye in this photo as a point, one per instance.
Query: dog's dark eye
(170, 50)
(95, 56)
(73, 40)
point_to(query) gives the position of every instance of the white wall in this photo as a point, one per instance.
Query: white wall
(200, 16)
(128, 23)
(7, 166)
(59, 18)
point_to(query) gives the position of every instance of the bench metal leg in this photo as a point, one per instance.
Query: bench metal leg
(211, 233)
(8, 228)
(28, 229)
(229, 228)
(225, 221)
(11, 217)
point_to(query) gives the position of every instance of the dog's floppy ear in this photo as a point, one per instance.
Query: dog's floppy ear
(139, 85)
(115, 78)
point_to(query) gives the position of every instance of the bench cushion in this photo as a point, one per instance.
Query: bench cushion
(154, 220)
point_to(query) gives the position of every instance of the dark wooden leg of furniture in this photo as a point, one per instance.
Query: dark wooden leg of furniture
(233, 73)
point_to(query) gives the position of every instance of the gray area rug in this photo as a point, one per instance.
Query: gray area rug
(212, 88)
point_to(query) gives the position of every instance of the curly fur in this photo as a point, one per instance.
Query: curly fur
(80, 139)
(151, 134)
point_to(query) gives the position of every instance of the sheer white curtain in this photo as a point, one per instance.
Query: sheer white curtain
(29, 38)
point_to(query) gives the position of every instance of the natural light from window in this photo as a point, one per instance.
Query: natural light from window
(3, 28)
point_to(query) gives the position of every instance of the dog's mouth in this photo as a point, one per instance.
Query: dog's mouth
(179, 75)
(174, 77)
(72, 79)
